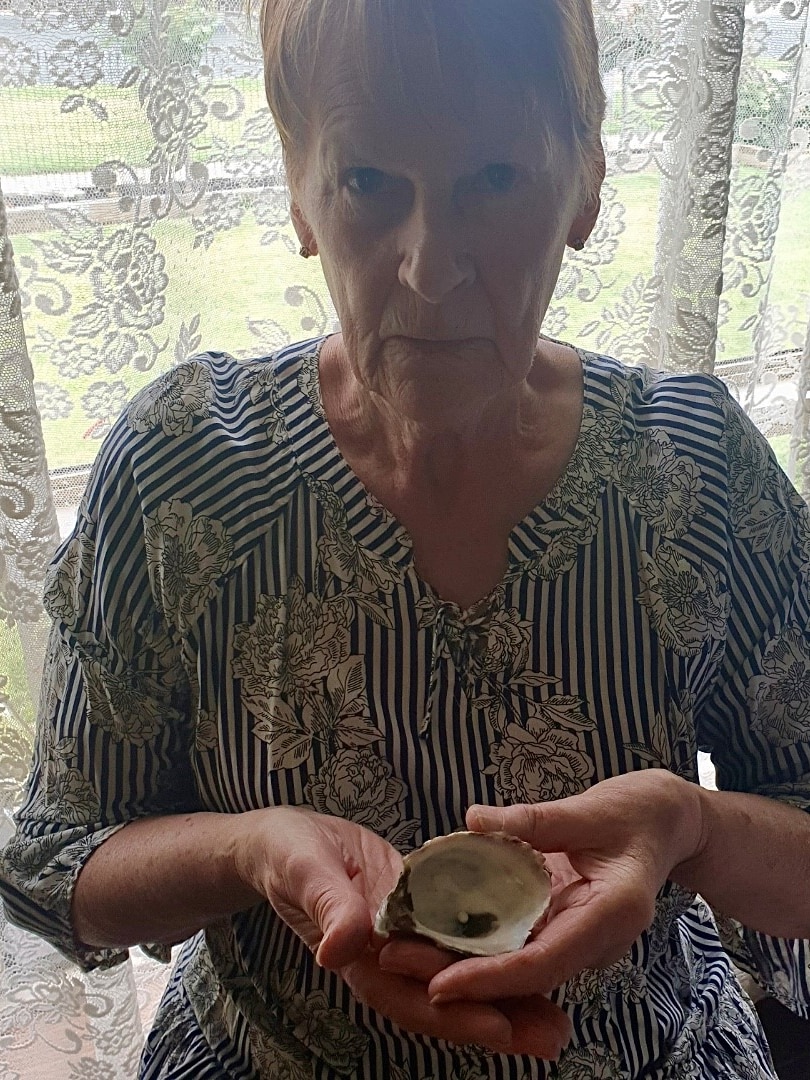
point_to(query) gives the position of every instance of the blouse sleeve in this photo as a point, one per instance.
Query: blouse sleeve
(755, 721)
(114, 727)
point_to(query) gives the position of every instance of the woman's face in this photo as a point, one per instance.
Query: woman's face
(440, 232)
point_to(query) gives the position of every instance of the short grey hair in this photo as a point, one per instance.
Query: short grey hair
(547, 47)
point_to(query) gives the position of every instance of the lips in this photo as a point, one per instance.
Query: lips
(434, 340)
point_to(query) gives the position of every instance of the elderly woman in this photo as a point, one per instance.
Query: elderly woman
(436, 568)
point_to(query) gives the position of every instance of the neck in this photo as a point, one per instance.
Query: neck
(435, 456)
(440, 449)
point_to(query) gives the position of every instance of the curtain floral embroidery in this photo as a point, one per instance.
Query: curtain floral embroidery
(144, 216)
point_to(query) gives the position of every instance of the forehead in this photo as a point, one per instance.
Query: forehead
(401, 91)
(433, 56)
(347, 107)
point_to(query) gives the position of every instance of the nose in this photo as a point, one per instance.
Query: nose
(433, 260)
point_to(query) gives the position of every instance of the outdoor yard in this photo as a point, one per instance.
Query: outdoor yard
(236, 275)
(229, 290)
(99, 124)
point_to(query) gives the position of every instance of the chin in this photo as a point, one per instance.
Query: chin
(436, 349)
(435, 360)
(445, 391)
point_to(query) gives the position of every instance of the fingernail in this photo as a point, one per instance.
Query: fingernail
(562, 1042)
(441, 999)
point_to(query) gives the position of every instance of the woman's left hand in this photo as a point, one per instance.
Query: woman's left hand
(609, 851)
(529, 1024)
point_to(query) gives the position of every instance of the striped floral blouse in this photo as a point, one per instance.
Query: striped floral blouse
(238, 623)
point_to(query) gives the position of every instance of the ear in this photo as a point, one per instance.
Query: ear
(302, 229)
(583, 224)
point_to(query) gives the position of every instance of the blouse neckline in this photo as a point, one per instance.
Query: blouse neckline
(370, 523)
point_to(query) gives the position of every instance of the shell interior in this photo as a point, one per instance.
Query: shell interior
(476, 893)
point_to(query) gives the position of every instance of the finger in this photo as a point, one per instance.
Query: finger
(405, 1001)
(322, 877)
(539, 1027)
(564, 825)
(562, 872)
(316, 895)
(343, 917)
(592, 931)
(415, 958)
(458, 1022)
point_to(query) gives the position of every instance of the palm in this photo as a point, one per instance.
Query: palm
(326, 856)
(611, 849)
(326, 879)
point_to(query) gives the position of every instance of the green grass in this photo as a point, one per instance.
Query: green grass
(790, 280)
(83, 141)
(16, 718)
(780, 444)
(637, 197)
(12, 665)
(237, 277)
(639, 194)
(78, 140)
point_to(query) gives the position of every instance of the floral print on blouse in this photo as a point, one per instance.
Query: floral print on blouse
(238, 623)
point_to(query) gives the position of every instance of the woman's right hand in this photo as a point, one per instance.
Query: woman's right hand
(326, 877)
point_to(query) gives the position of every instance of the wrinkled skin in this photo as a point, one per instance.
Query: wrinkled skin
(612, 848)
(326, 878)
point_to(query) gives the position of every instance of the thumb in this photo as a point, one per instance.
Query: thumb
(553, 826)
(486, 818)
(314, 892)
(342, 916)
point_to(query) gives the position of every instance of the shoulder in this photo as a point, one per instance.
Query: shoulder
(210, 411)
(204, 446)
(674, 394)
(696, 410)
(689, 430)
(189, 479)
(212, 388)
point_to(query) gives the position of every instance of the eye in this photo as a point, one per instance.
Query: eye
(367, 181)
(496, 179)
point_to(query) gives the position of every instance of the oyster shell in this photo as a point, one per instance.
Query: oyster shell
(476, 893)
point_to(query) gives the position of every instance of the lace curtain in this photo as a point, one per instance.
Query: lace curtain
(143, 217)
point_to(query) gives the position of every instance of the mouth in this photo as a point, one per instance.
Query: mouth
(436, 340)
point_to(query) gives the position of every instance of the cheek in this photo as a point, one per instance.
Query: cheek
(517, 290)
(358, 286)
(527, 250)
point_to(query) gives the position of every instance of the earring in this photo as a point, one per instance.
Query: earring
(578, 244)
(304, 252)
